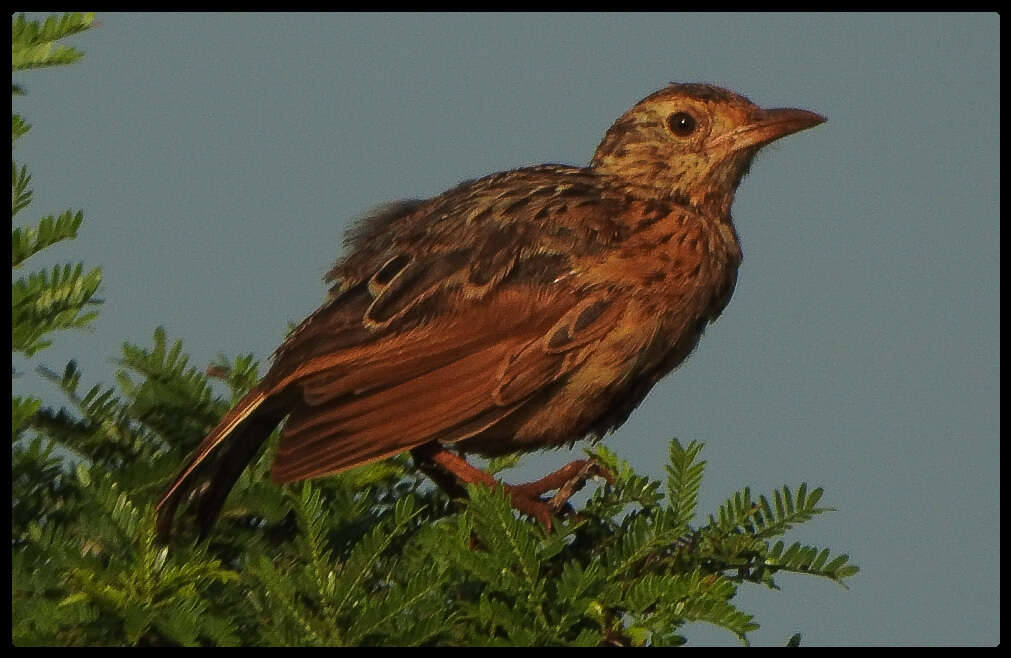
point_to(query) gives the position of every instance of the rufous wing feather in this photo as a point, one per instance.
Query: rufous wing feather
(405, 392)
(359, 429)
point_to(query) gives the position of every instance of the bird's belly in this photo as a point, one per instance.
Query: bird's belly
(593, 400)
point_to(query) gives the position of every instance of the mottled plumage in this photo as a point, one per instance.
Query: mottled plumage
(523, 310)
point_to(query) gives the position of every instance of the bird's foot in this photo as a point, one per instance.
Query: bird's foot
(566, 481)
(438, 463)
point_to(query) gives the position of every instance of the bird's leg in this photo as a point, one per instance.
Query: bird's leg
(432, 457)
(437, 462)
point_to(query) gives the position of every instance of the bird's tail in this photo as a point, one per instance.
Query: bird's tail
(219, 460)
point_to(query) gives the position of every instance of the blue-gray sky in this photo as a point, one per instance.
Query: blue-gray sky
(218, 159)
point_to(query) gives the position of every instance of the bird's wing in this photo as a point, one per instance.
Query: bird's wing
(441, 381)
(422, 259)
(437, 341)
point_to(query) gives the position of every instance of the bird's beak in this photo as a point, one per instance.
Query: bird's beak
(767, 126)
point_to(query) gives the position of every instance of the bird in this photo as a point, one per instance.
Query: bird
(523, 310)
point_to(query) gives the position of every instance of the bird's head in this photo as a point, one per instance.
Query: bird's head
(693, 142)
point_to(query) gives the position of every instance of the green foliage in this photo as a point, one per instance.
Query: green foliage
(362, 597)
(33, 43)
(372, 556)
(44, 301)
(684, 477)
(49, 301)
(28, 241)
(118, 583)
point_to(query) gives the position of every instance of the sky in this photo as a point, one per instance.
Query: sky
(219, 158)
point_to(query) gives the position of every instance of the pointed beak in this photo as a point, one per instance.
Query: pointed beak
(768, 126)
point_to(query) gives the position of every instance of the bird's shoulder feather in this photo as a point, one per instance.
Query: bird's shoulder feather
(411, 262)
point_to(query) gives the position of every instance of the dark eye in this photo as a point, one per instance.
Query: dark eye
(681, 124)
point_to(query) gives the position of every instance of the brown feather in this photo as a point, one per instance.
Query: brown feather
(317, 442)
(522, 310)
(414, 388)
(220, 459)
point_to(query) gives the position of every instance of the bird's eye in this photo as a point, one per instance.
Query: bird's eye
(681, 124)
